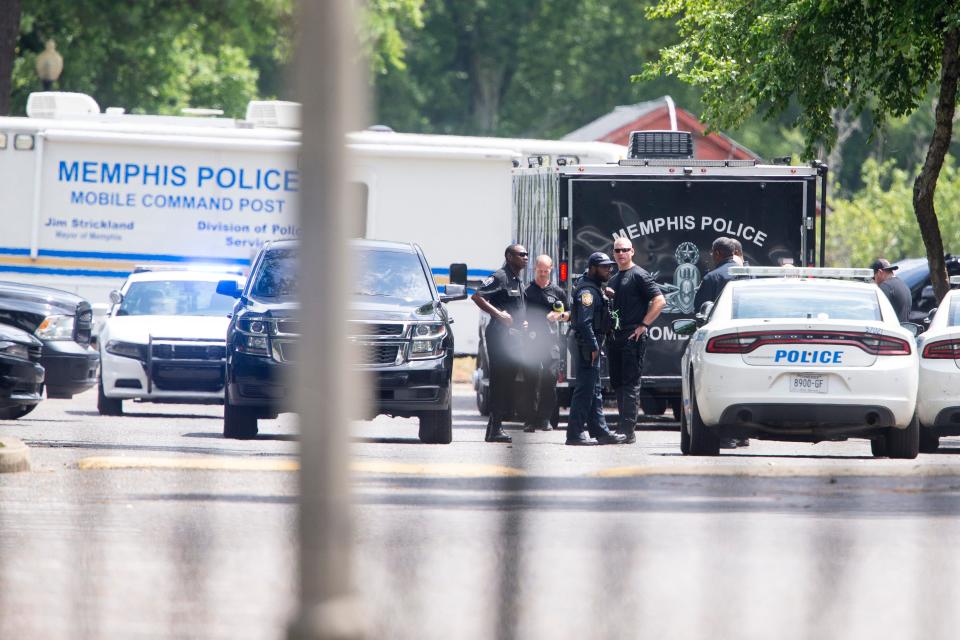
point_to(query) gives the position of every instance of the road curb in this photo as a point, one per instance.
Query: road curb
(14, 456)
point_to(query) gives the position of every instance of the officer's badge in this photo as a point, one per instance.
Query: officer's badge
(586, 298)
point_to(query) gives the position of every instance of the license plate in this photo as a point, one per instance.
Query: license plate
(808, 383)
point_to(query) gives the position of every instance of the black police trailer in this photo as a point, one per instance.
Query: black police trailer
(672, 207)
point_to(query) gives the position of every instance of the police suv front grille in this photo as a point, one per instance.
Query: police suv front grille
(285, 351)
(180, 377)
(288, 327)
(376, 329)
(374, 354)
(35, 353)
(189, 351)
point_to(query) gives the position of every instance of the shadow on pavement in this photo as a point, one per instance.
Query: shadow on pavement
(102, 446)
(216, 435)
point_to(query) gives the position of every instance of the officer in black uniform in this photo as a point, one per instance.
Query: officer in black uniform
(546, 305)
(501, 296)
(637, 303)
(723, 251)
(591, 322)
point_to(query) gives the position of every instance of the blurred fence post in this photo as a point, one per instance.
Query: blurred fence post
(329, 82)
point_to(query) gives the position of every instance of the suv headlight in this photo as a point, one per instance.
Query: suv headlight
(127, 350)
(55, 328)
(14, 350)
(253, 335)
(428, 340)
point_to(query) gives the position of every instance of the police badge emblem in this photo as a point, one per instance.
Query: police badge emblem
(586, 298)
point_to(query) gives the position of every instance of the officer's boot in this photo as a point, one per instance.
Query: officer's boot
(495, 432)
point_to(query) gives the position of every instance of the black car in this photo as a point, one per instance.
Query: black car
(63, 322)
(396, 316)
(21, 375)
(915, 273)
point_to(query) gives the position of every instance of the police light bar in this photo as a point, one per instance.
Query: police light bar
(789, 271)
(237, 270)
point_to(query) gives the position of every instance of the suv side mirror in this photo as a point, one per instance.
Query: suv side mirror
(704, 313)
(684, 326)
(912, 327)
(930, 315)
(458, 273)
(116, 297)
(229, 288)
(454, 292)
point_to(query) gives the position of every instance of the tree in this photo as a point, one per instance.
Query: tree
(751, 56)
(9, 30)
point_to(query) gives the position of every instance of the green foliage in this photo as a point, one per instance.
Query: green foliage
(878, 220)
(158, 56)
(750, 56)
(380, 27)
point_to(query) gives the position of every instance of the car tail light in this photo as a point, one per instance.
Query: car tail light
(749, 341)
(942, 350)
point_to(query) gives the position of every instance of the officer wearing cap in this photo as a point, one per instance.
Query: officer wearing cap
(893, 287)
(501, 296)
(546, 305)
(591, 322)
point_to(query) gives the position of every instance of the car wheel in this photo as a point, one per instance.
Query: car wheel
(483, 393)
(652, 405)
(436, 427)
(12, 413)
(703, 441)
(108, 406)
(929, 440)
(676, 405)
(239, 423)
(904, 443)
(684, 434)
(878, 447)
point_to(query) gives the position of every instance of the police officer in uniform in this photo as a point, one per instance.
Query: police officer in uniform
(546, 305)
(724, 252)
(501, 296)
(637, 302)
(591, 322)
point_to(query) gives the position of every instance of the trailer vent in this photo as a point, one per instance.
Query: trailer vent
(274, 113)
(661, 144)
(60, 104)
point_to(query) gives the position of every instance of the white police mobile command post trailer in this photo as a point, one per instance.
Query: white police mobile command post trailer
(90, 195)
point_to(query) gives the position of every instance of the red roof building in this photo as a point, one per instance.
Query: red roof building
(661, 114)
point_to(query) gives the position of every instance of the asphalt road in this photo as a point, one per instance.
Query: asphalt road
(151, 525)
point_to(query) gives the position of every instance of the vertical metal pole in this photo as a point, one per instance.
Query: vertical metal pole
(822, 171)
(329, 86)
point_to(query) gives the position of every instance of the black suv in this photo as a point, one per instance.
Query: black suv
(397, 316)
(63, 322)
(915, 273)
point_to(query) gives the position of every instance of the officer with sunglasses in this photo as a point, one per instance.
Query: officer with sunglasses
(501, 296)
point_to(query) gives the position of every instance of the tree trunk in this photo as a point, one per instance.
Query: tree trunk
(925, 186)
(487, 89)
(9, 32)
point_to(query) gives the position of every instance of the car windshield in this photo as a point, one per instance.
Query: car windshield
(391, 274)
(174, 298)
(277, 275)
(805, 302)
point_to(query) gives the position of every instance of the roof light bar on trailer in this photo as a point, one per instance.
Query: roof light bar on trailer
(789, 271)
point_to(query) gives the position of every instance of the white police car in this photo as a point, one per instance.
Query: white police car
(809, 357)
(165, 339)
(938, 401)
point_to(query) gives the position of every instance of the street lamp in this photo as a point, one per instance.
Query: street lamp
(49, 65)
